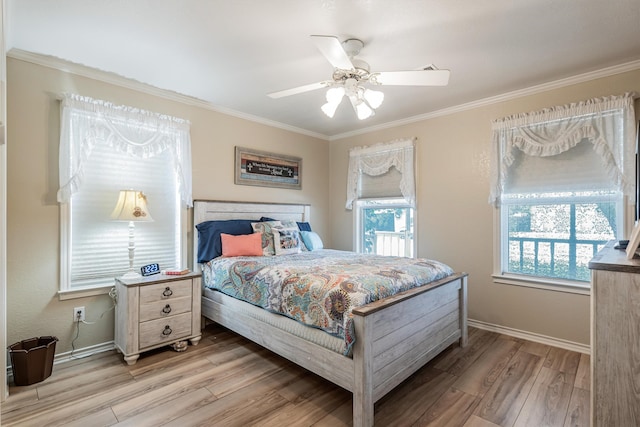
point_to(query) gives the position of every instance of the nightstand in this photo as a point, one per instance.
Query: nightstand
(155, 311)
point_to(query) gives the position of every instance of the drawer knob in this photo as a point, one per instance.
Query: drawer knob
(166, 309)
(167, 331)
(167, 292)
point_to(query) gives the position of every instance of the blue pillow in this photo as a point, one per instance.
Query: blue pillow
(311, 240)
(266, 218)
(209, 242)
(304, 226)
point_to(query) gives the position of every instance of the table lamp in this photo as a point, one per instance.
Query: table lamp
(131, 207)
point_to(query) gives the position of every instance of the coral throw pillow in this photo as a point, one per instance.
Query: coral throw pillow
(242, 245)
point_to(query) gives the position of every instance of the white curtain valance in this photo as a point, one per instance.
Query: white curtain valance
(86, 122)
(376, 160)
(608, 123)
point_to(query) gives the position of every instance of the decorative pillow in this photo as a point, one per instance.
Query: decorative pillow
(311, 240)
(288, 223)
(241, 245)
(286, 240)
(266, 228)
(209, 243)
(304, 226)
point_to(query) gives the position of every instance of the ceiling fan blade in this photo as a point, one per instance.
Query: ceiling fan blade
(297, 90)
(332, 49)
(413, 78)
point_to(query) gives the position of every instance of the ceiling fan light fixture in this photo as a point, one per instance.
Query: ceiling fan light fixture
(373, 97)
(363, 110)
(351, 73)
(330, 108)
(335, 94)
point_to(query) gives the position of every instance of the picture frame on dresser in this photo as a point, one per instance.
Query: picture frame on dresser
(634, 241)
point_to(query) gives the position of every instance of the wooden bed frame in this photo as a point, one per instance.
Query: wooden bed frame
(395, 336)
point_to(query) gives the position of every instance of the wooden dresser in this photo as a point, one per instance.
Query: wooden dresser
(615, 339)
(155, 311)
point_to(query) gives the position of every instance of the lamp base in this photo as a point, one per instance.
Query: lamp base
(131, 275)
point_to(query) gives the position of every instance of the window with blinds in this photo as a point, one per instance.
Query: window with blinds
(104, 149)
(556, 213)
(99, 246)
(559, 179)
(382, 185)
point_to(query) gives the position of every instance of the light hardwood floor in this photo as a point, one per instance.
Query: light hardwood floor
(228, 381)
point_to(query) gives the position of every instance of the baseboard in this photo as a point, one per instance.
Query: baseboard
(72, 355)
(83, 352)
(531, 336)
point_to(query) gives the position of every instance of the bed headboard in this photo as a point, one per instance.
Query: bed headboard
(209, 210)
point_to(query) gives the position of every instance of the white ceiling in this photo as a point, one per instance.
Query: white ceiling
(232, 53)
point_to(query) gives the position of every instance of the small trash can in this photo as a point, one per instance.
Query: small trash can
(32, 359)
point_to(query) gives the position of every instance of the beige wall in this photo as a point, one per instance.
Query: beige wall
(33, 307)
(455, 221)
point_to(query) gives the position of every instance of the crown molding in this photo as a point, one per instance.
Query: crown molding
(533, 90)
(116, 79)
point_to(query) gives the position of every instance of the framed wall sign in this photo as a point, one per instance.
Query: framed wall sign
(266, 169)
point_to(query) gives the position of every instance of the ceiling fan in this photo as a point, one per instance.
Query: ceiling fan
(350, 74)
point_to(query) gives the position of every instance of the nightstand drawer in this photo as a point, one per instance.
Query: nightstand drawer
(165, 291)
(170, 329)
(164, 309)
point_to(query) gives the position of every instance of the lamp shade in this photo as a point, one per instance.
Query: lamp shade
(131, 206)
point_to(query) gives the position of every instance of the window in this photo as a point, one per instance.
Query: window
(386, 227)
(105, 149)
(555, 235)
(560, 180)
(381, 182)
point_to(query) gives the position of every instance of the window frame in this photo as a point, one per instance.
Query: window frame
(609, 123)
(625, 211)
(358, 222)
(87, 123)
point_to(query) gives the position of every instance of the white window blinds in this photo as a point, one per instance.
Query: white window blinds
(579, 169)
(380, 186)
(98, 244)
(382, 170)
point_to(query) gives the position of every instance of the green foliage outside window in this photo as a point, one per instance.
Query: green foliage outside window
(558, 240)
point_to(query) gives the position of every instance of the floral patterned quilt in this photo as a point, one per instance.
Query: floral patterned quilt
(319, 288)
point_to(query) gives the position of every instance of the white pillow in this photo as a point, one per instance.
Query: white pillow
(286, 241)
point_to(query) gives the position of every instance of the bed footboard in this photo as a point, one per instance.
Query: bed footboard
(398, 335)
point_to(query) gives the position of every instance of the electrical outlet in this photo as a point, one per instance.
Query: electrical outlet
(78, 314)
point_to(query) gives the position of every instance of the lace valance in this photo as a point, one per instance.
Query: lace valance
(376, 160)
(86, 122)
(607, 123)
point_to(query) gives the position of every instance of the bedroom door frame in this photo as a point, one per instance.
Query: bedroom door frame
(3, 208)
(3, 271)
